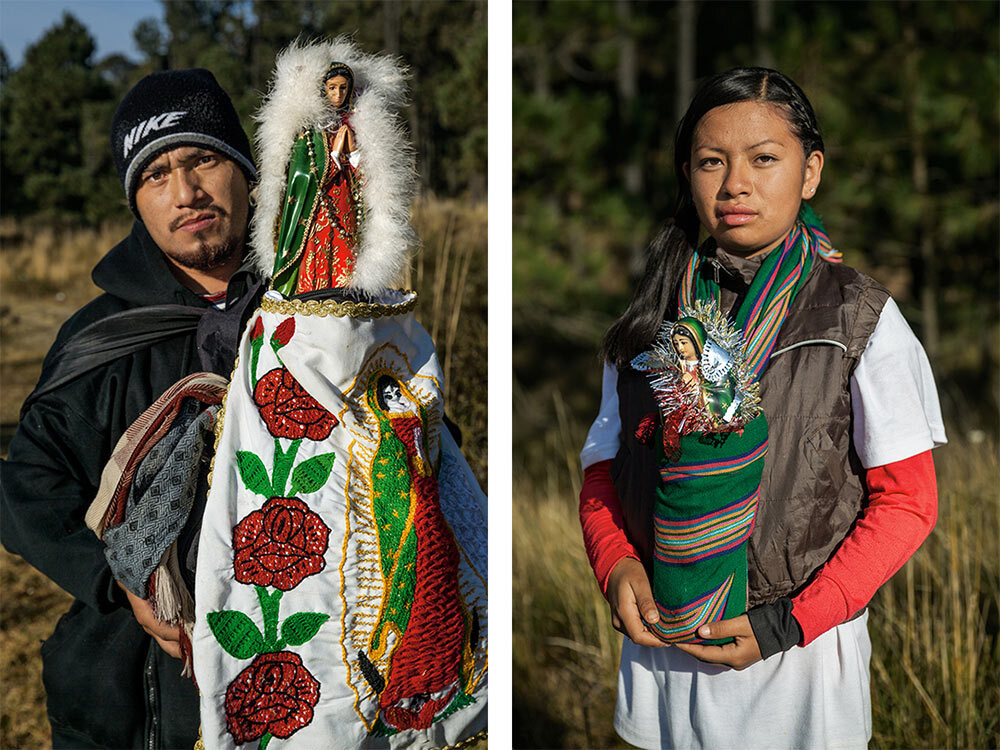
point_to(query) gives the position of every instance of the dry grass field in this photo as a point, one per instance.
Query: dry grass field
(45, 277)
(935, 669)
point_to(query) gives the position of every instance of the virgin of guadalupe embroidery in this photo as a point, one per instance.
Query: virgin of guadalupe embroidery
(415, 641)
(714, 442)
(699, 375)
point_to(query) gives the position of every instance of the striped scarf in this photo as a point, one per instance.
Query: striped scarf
(706, 503)
(773, 289)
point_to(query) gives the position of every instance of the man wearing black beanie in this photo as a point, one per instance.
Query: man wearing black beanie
(174, 300)
(177, 132)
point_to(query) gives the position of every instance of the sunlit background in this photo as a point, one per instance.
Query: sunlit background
(907, 98)
(63, 68)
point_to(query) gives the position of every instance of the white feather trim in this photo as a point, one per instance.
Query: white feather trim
(296, 103)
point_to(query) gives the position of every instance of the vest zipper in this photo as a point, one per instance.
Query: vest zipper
(807, 343)
(716, 267)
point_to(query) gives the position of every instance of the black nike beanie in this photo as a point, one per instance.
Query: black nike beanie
(175, 108)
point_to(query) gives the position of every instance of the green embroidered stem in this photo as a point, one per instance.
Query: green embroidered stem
(283, 465)
(264, 740)
(255, 347)
(269, 604)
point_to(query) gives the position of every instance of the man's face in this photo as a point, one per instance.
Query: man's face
(195, 204)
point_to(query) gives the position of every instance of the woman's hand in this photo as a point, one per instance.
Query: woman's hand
(166, 635)
(740, 654)
(631, 600)
(343, 142)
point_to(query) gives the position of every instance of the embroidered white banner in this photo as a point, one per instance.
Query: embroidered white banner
(341, 581)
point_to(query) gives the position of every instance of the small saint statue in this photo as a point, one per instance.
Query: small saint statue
(317, 241)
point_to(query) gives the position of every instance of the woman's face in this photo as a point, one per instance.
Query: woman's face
(336, 90)
(395, 401)
(684, 347)
(748, 176)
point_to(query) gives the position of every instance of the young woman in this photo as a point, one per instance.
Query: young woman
(846, 419)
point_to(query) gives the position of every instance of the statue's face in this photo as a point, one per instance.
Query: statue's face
(336, 90)
(395, 402)
(684, 347)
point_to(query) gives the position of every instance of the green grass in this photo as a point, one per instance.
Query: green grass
(45, 277)
(934, 626)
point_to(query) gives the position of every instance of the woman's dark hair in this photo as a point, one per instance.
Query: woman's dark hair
(384, 382)
(341, 69)
(670, 249)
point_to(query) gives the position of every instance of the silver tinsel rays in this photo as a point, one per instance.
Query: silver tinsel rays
(722, 375)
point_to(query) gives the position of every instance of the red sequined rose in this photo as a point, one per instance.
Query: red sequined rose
(288, 411)
(258, 329)
(275, 695)
(280, 544)
(283, 333)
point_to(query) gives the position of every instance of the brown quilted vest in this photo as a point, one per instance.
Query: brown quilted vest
(811, 491)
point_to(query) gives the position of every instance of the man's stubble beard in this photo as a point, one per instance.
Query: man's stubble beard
(209, 256)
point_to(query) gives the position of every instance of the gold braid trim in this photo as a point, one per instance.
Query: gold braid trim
(468, 742)
(338, 309)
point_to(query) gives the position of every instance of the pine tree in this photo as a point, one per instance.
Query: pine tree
(47, 99)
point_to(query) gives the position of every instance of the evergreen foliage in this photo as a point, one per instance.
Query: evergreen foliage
(56, 108)
(46, 146)
(906, 96)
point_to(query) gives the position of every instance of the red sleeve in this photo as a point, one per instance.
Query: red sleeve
(603, 524)
(900, 513)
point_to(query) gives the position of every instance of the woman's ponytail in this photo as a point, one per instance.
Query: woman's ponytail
(656, 289)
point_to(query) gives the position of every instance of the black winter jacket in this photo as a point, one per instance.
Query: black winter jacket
(107, 682)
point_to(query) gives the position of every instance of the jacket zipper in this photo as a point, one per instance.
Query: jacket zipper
(153, 724)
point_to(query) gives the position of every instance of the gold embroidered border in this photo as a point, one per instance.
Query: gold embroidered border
(220, 418)
(468, 741)
(347, 309)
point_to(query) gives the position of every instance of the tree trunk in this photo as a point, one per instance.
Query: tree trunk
(763, 21)
(926, 277)
(627, 84)
(687, 29)
(543, 58)
(390, 26)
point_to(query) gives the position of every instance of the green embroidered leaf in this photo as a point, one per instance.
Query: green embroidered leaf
(253, 473)
(255, 346)
(300, 627)
(236, 633)
(312, 474)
